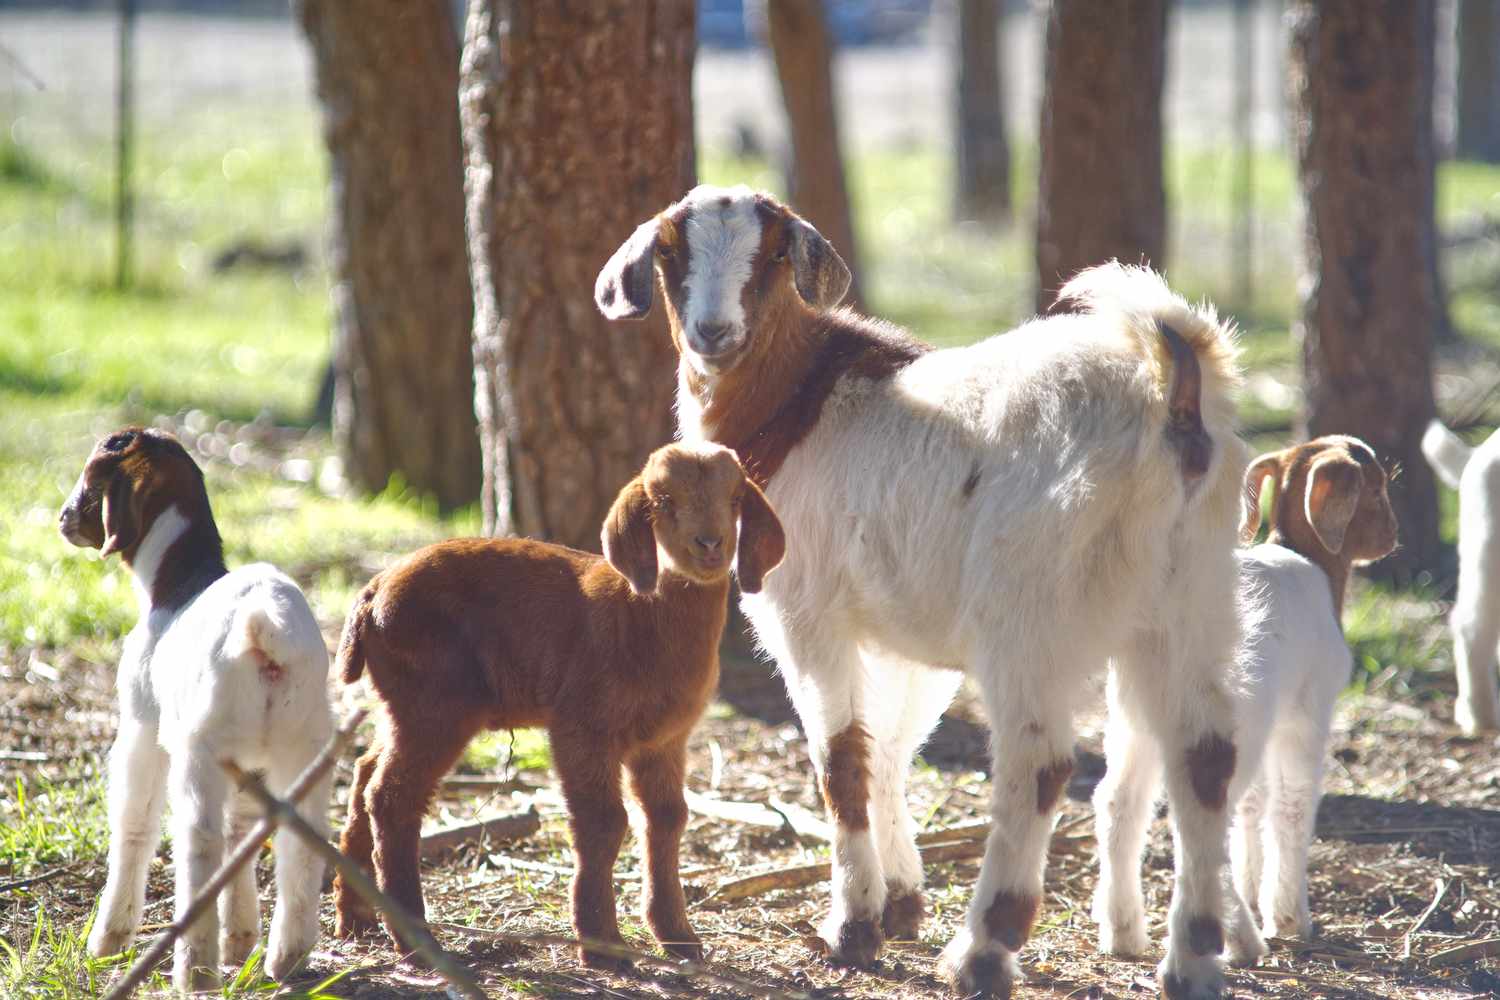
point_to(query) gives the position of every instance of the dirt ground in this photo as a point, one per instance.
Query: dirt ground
(1412, 816)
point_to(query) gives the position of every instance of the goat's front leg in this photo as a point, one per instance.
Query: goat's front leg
(1184, 703)
(1122, 816)
(1033, 760)
(1476, 631)
(656, 779)
(591, 787)
(198, 793)
(137, 783)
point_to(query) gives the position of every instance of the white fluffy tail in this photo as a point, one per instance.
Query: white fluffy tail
(1446, 453)
(273, 628)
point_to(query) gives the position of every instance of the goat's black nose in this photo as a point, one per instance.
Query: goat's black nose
(712, 333)
(709, 544)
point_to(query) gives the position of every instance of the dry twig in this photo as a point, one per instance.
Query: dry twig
(1487, 948)
(508, 827)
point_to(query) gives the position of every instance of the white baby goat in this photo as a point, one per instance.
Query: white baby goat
(220, 665)
(1330, 511)
(1475, 473)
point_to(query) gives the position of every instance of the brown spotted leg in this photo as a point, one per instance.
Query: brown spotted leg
(591, 786)
(656, 779)
(353, 916)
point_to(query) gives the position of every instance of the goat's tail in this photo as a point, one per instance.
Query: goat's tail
(350, 660)
(273, 626)
(1446, 453)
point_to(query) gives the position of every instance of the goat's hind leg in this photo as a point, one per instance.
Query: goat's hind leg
(239, 904)
(353, 915)
(1123, 804)
(1475, 622)
(136, 792)
(299, 868)
(199, 790)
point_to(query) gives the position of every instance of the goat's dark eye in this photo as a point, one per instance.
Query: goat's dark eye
(779, 257)
(665, 252)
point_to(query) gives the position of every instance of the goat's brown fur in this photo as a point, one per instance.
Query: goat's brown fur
(1330, 505)
(616, 658)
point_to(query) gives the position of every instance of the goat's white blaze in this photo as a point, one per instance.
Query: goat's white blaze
(166, 529)
(723, 235)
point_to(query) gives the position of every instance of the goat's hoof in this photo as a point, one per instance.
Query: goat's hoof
(1246, 947)
(235, 948)
(188, 978)
(1198, 977)
(902, 917)
(973, 971)
(852, 942)
(356, 923)
(684, 946)
(106, 941)
(604, 962)
(284, 958)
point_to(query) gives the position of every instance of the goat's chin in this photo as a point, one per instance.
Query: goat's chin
(694, 572)
(712, 366)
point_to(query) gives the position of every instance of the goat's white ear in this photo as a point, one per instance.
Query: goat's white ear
(1266, 465)
(821, 275)
(762, 543)
(1333, 486)
(630, 540)
(627, 282)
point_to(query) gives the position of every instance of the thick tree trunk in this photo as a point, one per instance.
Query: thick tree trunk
(1100, 193)
(803, 51)
(982, 191)
(387, 72)
(578, 126)
(1479, 81)
(1362, 79)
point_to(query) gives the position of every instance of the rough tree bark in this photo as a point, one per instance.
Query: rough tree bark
(1362, 79)
(1478, 81)
(982, 188)
(1100, 193)
(387, 73)
(578, 126)
(803, 50)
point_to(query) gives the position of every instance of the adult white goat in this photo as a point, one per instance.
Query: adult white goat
(1021, 510)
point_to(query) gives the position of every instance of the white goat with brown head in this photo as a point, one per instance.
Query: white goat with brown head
(1020, 510)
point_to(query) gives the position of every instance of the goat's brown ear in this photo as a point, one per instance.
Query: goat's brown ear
(762, 540)
(1266, 465)
(1333, 486)
(122, 521)
(821, 275)
(625, 286)
(629, 539)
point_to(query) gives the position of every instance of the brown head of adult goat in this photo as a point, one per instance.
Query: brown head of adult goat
(615, 656)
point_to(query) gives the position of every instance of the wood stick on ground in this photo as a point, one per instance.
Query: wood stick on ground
(243, 853)
(685, 966)
(22, 883)
(1487, 948)
(1437, 899)
(508, 827)
(412, 929)
(801, 822)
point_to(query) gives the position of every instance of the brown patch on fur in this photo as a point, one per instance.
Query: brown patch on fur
(846, 777)
(858, 945)
(1210, 764)
(902, 917)
(1050, 782)
(1205, 935)
(1010, 917)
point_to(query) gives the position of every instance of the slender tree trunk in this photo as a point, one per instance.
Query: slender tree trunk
(578, 126)
(803, 50)
(982, 192)
(1479, 80)
(1100, 193)
(1362, 79)
(387, 75)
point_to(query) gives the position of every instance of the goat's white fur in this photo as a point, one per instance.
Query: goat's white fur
(1293, 665)
(724, 238)
(1475, 620)
(1080, 542)
(192, 693)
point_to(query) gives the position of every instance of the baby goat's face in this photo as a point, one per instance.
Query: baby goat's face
(726, 258)
(695, 500)
(129, 478)
(1332, 493)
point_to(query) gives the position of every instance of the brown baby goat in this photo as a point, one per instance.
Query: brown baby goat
(616, 657)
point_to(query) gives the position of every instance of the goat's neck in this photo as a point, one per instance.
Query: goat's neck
(1334, 567)
(179, 556)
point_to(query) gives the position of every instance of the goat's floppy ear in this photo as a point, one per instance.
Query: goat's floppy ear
(762, 540)
(821, 275)
(122, 521)
(629, 539)
(1266, 465)
(1333, 486)
(625, 286)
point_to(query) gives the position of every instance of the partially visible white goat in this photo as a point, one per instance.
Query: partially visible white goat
(1330, 510)
(1475, 621)
(220, 665)
(1020, 509)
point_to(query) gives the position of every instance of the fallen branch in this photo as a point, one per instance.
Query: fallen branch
(479, 783)
(801, 822)
(243, 853)
(1442, 891)
(508, 827)
(22, 883)
(1487, 948)
(614, 949)
(355, 877)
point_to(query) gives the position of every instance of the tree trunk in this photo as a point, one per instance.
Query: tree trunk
(982, 192)
(803, 50)
(578, 127)
(387, 73)
(1100, 194)
(1478, 81)
(1362, 79)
